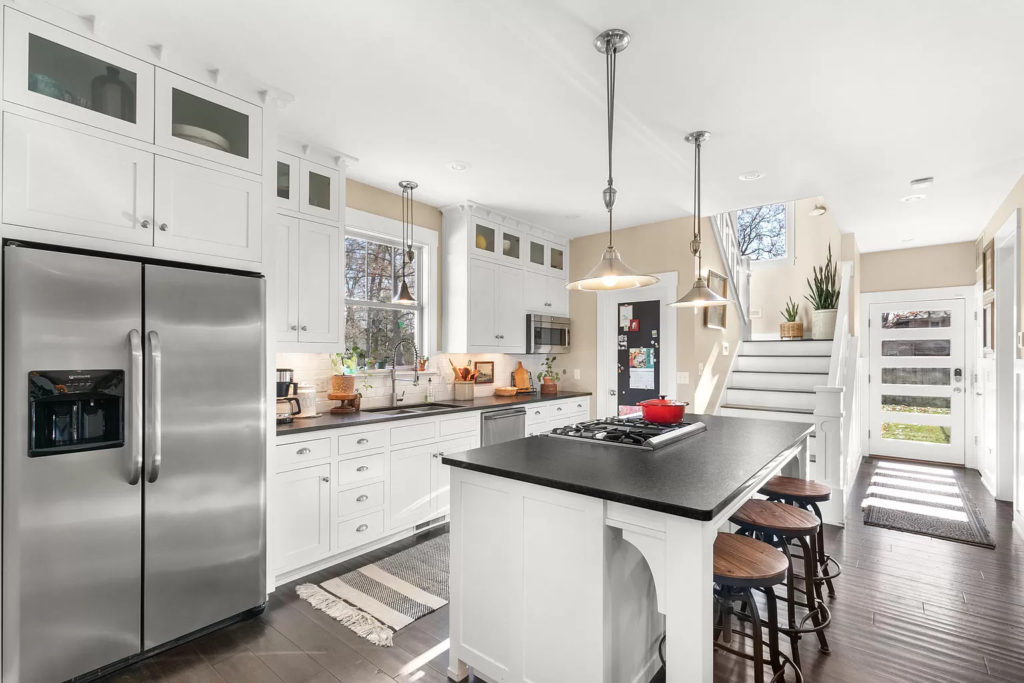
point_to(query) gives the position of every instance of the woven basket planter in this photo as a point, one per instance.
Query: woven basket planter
(343, 384)
(791, 330)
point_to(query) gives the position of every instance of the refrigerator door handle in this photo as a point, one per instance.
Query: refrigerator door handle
(135, 343)
(155, 424)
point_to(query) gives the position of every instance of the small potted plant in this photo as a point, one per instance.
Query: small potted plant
(792, 328)
(824, 298)
(549, 376)
(345, 366)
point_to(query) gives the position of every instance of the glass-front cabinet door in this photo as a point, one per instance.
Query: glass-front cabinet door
(198, 120)
(490, 239)
(59, 72)
(537, 256)
(319, 191)
(288, 181)
(557, 259)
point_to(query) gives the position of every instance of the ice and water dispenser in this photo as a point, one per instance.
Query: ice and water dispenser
(75, 410)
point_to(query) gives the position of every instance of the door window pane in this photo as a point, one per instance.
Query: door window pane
(556, 259)
(209, 124)
(284, 189)
(71, 76)
(926, 405)
(485, 238)
(319, 190)
(908, 432)
(536, 253)
(915, 347)
(896, 320)
(931, 376)
(510, 245)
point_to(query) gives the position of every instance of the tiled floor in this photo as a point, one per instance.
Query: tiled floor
(909, 608)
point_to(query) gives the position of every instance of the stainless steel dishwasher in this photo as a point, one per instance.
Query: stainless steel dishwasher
(503, 425)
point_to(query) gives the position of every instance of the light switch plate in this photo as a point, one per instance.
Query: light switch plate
(700, 368)
(682, 378)
(576, 373)
(755, 312)
(725, 348)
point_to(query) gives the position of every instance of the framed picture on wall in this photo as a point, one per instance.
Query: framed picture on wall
(988, 326)
(714, 316)
(988, 266)
(485, 368)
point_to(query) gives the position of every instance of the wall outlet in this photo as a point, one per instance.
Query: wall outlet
(755, 312)
(682, 378)
(576, 373)
(725, 348)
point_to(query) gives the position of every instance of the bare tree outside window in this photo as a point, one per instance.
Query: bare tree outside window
(761, 232)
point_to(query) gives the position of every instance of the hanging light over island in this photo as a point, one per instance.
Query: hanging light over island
(404, 296)
(611, 272)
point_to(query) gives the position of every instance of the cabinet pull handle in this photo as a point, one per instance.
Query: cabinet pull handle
(362, 468)
(440, 454)
(362, 441)
(361, 528)
(558, 409)
(145, 225)
(579, 405)
(325, 480)
(294, 327)
(362, 498)
(303, 451)
(536, 412)
(305, 329)
(163, 227)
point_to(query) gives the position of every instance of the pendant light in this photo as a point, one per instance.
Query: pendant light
(404, 296)
(611, 272)
(700, 294)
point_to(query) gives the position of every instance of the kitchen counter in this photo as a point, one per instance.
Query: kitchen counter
(696, 477)
(329, 421)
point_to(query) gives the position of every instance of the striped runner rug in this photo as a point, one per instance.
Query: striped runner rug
(924, 499)
(381, 598)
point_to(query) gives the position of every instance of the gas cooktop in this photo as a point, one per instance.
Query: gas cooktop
(631, 432)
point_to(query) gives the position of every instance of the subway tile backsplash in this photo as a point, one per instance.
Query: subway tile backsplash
(375, 385)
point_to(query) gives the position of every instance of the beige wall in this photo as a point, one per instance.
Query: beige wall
(654, 248)
(771, 285)
(942, 265)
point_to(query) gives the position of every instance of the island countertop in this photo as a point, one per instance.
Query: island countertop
(696, 477)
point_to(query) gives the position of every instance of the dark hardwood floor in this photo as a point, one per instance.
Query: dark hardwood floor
(908, 608)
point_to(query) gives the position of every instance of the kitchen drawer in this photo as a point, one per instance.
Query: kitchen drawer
(353, 533)
(413, 433)
(355, 470)
(290, 455)
(579, 405)
(360, 499)
(356, 443)
(459, 424)
(539, 427)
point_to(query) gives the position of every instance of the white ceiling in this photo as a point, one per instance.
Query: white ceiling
(848, 100)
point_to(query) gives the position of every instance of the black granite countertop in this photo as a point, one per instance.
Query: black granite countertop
(696, 477)
(328, 421)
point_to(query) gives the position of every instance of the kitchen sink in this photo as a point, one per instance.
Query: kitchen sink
(412, 409)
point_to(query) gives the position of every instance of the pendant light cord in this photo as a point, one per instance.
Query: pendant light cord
(609, 193)
(405, 224)
(695, 245)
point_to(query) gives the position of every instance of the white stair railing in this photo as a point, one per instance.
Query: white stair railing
(737, 268)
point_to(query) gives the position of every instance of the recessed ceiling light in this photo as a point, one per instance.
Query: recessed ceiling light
(921, 183)
(458, 166)
(819, 210)
(751, 175)
(571, 216)
(913, 198)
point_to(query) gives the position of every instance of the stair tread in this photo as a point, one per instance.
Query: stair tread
(778, 372)
(802, 411)
(769, 355)
(780, 391)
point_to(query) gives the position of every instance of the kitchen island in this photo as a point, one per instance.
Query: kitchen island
(547, 536)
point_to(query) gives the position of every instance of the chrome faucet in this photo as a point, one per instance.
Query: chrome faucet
(395, 399)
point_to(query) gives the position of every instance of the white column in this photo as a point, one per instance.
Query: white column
(829, 449)
(688, 600)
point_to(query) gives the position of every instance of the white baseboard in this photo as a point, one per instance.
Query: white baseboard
(1018, 526)
(834, 511)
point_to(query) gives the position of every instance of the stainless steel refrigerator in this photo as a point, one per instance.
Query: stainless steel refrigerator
(134, 424)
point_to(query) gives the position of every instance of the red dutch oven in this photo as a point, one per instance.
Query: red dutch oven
(663, 410)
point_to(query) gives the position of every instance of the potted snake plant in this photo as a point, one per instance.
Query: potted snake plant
(824, 298)
(792, 328)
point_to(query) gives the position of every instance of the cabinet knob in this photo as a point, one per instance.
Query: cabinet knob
(163, 227)
(497, 336)
(362, 498)
(326, 480)
(305, 329)
(362, 441)
(294, 327)
(361, 528)
(558, 409)
(145, 225)
(303, 451)
(536, 412)
(362, 468)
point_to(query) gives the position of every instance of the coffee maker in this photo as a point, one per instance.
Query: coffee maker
(287, 402)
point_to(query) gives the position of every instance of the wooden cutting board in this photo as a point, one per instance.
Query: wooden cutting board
(521, 377)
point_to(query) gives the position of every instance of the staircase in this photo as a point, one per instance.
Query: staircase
(775, 379)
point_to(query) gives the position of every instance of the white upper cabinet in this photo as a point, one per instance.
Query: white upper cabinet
(510, 310)
(205, 211)
(483, 282)
(320, 191)
(545, 294)
(198, 120)
(287, 182)
(494, 240)
(319, 295)
(62, 180)
(59, 72)
(283, 288)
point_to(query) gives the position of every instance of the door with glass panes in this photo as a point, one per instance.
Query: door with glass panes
(917, 380)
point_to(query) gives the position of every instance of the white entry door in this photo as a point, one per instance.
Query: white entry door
(917, 381)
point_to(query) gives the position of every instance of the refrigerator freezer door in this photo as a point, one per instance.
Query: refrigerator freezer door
(72, 522)
(205, 537)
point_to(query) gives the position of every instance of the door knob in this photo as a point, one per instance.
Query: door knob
(611, 392)
(145, 225)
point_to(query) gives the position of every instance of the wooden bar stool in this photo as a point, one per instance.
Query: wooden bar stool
(741, 566)
(781, 525)
(806, 495)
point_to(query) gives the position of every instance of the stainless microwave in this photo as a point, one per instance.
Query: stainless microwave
(546, 334)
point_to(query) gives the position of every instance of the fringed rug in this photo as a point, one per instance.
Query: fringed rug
(924, 499)
(378, 599)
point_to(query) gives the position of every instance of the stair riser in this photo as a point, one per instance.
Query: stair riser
(766, 415)
(776, 380)
(786, 348)
(782, 364)
(770, 399)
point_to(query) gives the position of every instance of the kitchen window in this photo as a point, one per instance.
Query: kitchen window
(765, 233)
(373, 274)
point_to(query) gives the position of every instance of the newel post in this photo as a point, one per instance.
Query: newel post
(827, 449)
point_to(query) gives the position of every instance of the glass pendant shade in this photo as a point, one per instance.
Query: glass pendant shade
(611, 273)
(699, 296)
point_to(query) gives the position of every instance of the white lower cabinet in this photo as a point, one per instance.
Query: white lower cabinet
(440, 486)
(409, 485)
(302, 516)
